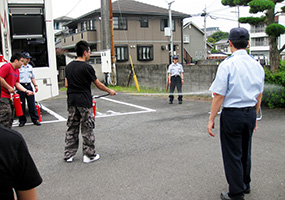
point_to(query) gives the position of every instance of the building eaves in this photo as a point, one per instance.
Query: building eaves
(192, 24)
(64, 18)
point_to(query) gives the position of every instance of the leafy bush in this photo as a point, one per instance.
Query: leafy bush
(274, 90)
(277, 77)
(273, 96)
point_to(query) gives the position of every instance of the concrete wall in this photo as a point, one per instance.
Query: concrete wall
(197, 78)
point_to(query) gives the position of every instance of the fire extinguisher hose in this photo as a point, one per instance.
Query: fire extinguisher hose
(97, 97)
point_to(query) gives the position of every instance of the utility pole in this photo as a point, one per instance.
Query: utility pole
(112, 43)
(205, 33)
(105, 25)
(238, 17)
(171, 31)
(105, 29)
(238, 12)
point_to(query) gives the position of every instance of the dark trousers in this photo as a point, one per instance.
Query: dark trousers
(175, 82)
(236, 128)
(31, 105)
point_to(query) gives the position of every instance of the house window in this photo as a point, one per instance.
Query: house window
(259, 28)
(91, 25)
(144, 22)
(186, 39)
(164, 24)
(259, 41)
(83, 26)
(122, 53)
(120, 23)
(145, 52)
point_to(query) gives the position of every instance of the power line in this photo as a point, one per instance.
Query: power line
(72, 9)
(218, 10)
(212, 3)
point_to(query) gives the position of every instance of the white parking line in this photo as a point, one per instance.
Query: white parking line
(57, 116)
(109, 113)
(112, 113)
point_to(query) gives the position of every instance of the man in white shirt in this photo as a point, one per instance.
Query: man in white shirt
(175, 78)
(238, 88)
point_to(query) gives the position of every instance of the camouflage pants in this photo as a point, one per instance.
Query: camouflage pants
(6, 112)
(84, 118)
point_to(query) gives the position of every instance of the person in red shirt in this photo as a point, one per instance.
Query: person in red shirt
(9, 78)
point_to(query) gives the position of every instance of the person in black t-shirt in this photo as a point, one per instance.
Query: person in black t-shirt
(17, 169)
(78, 78)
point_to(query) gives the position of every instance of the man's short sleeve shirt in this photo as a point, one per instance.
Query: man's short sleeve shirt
(79, 76)
(11, 76)
(26, 73)
(240, 78)
(175, 69)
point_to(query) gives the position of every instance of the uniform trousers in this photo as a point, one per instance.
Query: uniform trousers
(31, 105)
(80, 117)
(236, 129)
(175, 82)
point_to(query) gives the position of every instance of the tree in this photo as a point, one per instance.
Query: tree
(220, 35)
(273, 30)
(211, 40)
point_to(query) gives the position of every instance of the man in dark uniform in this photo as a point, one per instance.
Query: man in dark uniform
(175, 78)
(238, 88)
(27, 78)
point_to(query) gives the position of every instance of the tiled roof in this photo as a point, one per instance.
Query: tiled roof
(135, 7)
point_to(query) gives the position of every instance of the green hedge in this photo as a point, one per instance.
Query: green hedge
(274, 90)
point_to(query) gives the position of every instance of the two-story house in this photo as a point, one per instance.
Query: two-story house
(138, 31)
(60, 30)
(194, 44)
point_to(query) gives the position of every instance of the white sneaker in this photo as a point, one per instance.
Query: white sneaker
(89, 160)
(69, 159)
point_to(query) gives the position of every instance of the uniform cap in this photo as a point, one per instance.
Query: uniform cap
(238, 34)
(175, 57)
(26, 55)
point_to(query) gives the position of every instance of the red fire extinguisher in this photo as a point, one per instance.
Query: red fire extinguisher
(94, 107)
(38, 108)
(17, 105)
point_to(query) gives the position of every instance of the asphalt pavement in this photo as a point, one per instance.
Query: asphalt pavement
(151, 150)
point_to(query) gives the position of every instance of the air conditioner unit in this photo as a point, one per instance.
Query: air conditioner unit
(167, 31)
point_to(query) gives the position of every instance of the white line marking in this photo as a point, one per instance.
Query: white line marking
(120, 114)
(60, 118)
(57, 116)
(112, 113)
(129, 104)
(109, 113)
